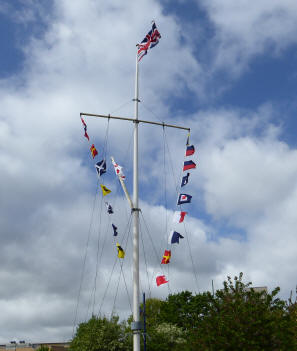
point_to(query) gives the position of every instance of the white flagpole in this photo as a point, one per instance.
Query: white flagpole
(136, 327)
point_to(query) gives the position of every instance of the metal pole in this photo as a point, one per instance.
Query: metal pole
(136, 328)
(134, 120)
(144, 323)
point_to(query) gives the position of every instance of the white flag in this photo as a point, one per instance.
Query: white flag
(119, 170)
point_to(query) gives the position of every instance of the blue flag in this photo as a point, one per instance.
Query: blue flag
(115, 230)
(185, 179)
(100, 167)
(183, 199)
(174, 237)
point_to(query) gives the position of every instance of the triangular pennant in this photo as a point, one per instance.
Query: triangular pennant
(121, 252)
(115, 230)
(105, 190)
(85, 128)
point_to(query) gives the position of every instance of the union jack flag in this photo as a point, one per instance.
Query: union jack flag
(150, 40)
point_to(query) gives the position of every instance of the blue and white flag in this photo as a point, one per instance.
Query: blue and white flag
(183, 199)
(100, 167)
(185, 180)
(109, 208)
(174, 237)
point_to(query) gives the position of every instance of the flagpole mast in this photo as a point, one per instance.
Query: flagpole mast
(136, 327)
(149, 41)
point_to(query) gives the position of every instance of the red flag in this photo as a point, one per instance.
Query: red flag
(85, 128)
(94, 152)
(166, 257)
(160, 279)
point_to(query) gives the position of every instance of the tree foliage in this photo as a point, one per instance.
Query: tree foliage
(101, 334)
(238, 318)
(234, 318)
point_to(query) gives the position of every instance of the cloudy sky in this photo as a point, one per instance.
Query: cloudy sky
(226, 69)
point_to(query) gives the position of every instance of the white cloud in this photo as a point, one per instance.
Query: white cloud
(244, 29)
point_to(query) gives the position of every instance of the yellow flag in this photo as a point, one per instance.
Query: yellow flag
(121, 252)
(105, 191)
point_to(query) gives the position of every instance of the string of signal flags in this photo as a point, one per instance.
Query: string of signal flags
(179, 215)
(149, 42)
(100, 168)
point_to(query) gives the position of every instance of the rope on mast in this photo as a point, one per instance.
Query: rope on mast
(155, 251)
(145, 261)
(128, 228)
(98, 258)
(84, 262)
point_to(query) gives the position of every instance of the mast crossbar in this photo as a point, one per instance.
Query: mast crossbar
(135, 120)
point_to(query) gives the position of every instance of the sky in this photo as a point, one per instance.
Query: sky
(225, 69)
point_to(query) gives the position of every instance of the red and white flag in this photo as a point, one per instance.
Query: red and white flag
(179, 216)
(118, 170)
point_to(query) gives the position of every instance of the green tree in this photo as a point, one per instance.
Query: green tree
(101, 334)
(238, 318)
(165, 337)
(234, 318)
(185, 309)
